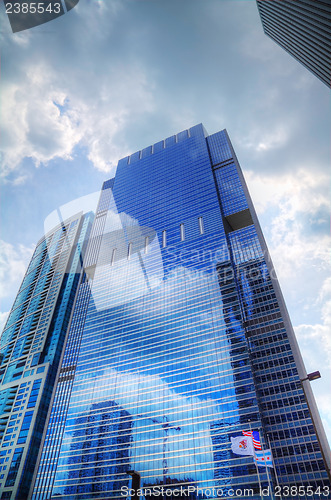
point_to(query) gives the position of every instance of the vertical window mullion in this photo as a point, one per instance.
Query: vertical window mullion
(113, 256)
(146, 244)
(201, 227)
(182, 232)
(129, 250)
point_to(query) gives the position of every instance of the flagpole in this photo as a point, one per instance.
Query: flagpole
(269, 482)
(267, 469)
(275, 470)
(257, 469)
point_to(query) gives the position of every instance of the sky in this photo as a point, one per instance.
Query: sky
(111, 77)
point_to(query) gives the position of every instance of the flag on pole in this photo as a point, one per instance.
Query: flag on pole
(255, 437)
(263, 458)
(242, 445)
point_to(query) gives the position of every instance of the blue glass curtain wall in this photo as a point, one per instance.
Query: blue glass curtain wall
(177, 342)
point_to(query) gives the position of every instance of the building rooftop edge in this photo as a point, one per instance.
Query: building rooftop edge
(196, 130)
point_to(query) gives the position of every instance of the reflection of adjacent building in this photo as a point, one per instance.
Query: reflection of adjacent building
(162, 360)
(99, 449)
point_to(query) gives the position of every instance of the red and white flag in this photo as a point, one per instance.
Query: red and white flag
(263, 458)
(255, 437)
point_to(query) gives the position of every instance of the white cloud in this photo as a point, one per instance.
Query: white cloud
(48, 116)
(294, 209)
(318, 334)
(323, 403)
(3, 319)
(264, 139)
(13, 264)
(22, 39)
(326, 293)
(315, 345)
(35, 128)
(256, 46)
(273, 140)
(297, 205)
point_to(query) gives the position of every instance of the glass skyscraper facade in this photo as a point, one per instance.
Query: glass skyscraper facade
(31, 347)
(178, 341)
(303, 29)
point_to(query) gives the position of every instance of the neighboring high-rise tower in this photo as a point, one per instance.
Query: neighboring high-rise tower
(31, 347)
(303, 29)
(179, 340)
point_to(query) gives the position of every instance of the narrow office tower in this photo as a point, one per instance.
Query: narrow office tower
(303, 29)
(31, 346)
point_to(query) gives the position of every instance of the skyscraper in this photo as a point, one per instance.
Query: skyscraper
(179, 340)
(31, 347)
(303, 29)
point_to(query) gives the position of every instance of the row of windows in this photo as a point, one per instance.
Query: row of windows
(178, 381)
(274, 376)
(162, 344)
(301, 467)
(196, 413)
(292, 432)
(270, 363)
(179, 407)
(152, 334)
(230, 405)
(280, 403)
(159, 146)
(277, 389)
(288, 417)
(296, 449)
(164, 240)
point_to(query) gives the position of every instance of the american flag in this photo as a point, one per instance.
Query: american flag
(255, 438)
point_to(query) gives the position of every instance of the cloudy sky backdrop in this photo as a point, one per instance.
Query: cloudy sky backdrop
(113, 76)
